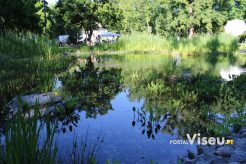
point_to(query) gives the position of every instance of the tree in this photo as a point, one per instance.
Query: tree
(180, 17)
(18, 14)
(139, 15)
(44, 14)
(88, 15)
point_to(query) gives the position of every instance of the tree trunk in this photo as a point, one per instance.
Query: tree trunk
(89, 35)
(149, 28)
(191, 29)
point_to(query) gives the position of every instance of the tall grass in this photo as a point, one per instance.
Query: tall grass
(28, 63)
(31, 139)
(198, 45)
(24, 142)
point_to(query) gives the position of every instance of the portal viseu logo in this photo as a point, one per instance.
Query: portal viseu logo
(196, 138)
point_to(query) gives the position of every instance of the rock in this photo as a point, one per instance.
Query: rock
(226, 154)
(29, 114)
(187, 75)
(235, 135)
(224, 151)
(219, 118)
(218, 161)
(41, 99)
(238, 156)
(31, 100)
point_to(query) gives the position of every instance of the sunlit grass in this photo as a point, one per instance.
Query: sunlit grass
(198, 45)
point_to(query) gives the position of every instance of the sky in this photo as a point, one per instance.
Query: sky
(51, 1)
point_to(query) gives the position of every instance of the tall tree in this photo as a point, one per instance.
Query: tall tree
(18, 14)
(44, 15)
(139, 15)
(180, 17)
(87, 15)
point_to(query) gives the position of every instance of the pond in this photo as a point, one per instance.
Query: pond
(129, 107)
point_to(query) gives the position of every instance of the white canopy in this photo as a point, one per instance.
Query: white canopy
(235, 27)
(109, 34)
(63, 38)
(231, 72)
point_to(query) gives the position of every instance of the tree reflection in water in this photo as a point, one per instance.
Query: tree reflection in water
(187, 106)
(90, 89)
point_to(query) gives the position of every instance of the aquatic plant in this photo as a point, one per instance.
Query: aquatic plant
(28, 63)
(28, 138)
(24, 142)
(188, 100)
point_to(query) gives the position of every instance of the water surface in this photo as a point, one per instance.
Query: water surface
(137, 103)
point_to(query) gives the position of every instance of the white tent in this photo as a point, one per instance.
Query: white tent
(109, 34)
(235, 27)
(63, 38)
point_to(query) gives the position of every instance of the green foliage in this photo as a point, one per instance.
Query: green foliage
(28, 63)
(175, 17)
(46, 22)
(164, 17)
(18, 14)
(198, 45)
(30, 139)
(93, 88)
(23, 137)
(187, 99)
(88, 15)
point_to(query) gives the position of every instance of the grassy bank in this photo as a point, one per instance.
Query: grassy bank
(28, 63)
(200, 44)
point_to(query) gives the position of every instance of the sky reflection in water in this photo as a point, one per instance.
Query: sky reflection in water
(122, 141)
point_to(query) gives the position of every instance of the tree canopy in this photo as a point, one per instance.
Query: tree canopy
(87, 15)
(163, 17)
(18, 14)
(177, 17)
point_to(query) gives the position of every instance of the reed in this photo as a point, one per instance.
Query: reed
(198, 45)
(28, 63)
(24, 142)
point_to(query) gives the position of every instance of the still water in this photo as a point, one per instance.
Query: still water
(122, 141)
(136, 104)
